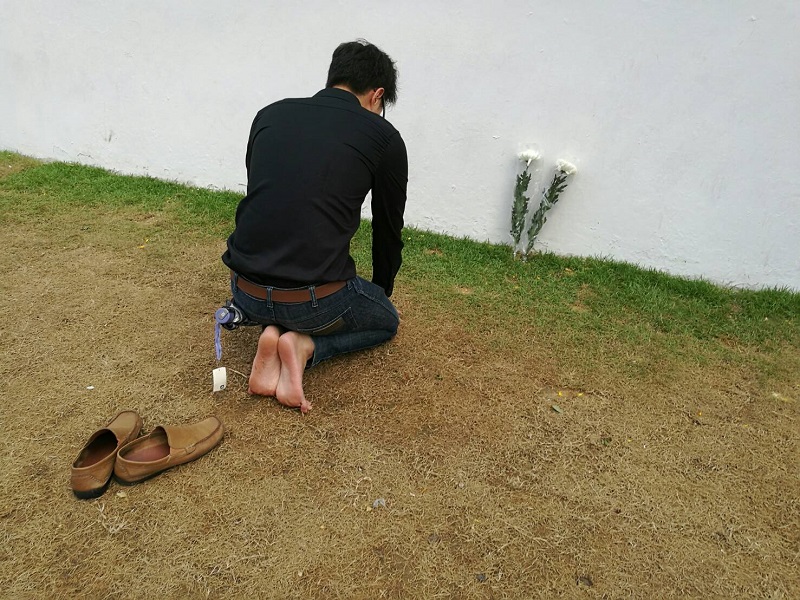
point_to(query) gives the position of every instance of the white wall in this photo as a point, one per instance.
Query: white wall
(683, 117)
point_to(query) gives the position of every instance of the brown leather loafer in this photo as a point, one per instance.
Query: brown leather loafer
(91, 471)
(166, 447)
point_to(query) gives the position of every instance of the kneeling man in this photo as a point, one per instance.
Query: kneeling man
(310, 164)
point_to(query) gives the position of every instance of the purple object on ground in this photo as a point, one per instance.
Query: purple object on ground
(229, 317)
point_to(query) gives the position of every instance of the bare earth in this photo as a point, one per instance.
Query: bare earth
(687, 486)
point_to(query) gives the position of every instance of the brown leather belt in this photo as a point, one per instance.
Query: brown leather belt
(281, 295)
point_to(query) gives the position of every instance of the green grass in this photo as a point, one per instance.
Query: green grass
(589, 297)
(613, 292)
(51, 186)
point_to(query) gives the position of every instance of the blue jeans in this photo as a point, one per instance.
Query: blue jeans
(356, 317)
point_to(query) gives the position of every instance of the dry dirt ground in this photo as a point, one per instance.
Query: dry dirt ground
(684, 488)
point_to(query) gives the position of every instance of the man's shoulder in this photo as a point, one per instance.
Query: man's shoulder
(284, 103)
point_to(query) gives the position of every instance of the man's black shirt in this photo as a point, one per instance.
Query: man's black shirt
(310, 164)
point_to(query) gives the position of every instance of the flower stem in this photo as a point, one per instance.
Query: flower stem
(549, 198)
(519, 209)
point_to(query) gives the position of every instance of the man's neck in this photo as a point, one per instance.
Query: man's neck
(362, 99)
(341, 86)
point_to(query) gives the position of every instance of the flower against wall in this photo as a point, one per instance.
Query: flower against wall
(527, 156)
(519, 210)
(566, 167)
(549, 197)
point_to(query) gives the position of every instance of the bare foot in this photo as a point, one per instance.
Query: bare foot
(294, 350)
(267, 364)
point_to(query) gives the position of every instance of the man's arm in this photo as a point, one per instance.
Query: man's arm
(388, 206)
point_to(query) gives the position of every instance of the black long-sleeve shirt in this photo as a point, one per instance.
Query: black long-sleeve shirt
(310, 164)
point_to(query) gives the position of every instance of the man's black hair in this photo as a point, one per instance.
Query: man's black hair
(363, 67)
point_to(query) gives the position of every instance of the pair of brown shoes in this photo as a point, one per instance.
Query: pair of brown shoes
(117, 450)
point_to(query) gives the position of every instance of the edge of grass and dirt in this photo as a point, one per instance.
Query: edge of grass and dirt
(606, 295)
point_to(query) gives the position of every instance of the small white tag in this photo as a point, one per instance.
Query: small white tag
(220, 379)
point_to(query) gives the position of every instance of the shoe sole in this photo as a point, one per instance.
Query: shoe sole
(89, 494)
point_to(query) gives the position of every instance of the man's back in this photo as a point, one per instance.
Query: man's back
(311, 162)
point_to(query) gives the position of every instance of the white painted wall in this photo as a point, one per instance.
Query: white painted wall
(683, 117)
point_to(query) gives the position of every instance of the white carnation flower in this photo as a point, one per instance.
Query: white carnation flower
(529, 156)
(566, 167)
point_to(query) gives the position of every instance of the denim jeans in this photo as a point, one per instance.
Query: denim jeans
(356, 317)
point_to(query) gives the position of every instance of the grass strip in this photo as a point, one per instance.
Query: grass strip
(587, 296)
